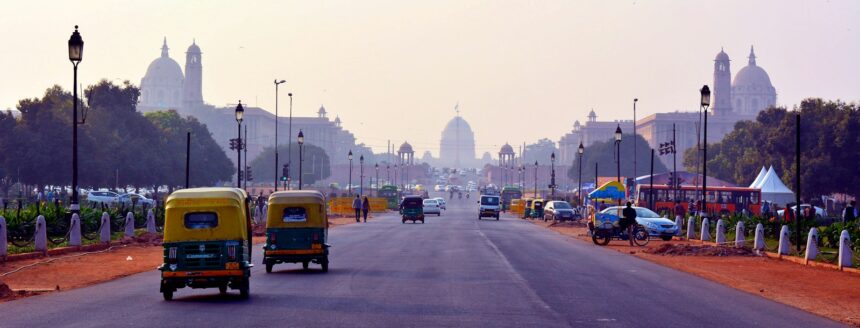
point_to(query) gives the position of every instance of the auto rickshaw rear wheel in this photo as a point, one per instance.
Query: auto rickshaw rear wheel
(245, 289)
(324, 265)
(305, 265)
(269, 266)
(222, 289)
(168, 295)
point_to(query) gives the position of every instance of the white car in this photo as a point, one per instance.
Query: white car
(441, 202)
(438, 188)
(431, 206)
(105, 197)
(132, 198)
(819, 212)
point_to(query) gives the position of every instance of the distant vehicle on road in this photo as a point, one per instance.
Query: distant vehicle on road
(722, 200)
(442, 203)
(509, 193)
(389, 192)
(296, 229)
(558, 211)
(490, 206)
(431, 206)
(412, 209)
(438, 188)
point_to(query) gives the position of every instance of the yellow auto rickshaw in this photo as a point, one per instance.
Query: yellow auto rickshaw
(527, 208)
(206, 241)
(296, 229)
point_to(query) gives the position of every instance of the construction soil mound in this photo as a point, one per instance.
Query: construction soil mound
(580, 223)
(5, 291)
(699, 250)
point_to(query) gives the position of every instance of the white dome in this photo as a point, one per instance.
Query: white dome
(161, 87)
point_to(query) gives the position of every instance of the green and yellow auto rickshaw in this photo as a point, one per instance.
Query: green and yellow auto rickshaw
(296, 229)
(206, 241)
(537, 209)
(527, 208)
(412, 209)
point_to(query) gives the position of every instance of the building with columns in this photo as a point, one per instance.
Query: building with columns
(166, 87)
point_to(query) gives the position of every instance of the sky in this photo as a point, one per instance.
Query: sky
(394, 70)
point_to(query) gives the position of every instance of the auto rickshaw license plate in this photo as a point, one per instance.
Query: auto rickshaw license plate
(232, 266)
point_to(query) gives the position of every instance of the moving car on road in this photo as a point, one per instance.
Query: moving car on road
(206, 241)
(132, 198)
(442, 203)
(490, 206)
(103, 197)
(558, 210)
(412, 209)
(431, 206)
(296, 229)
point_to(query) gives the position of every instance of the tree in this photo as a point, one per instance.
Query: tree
(830, 133)
(603, 153)
(209, 163)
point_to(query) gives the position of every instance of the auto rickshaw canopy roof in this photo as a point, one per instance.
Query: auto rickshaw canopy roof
(610, 191)
(228, 204)
(313, 202)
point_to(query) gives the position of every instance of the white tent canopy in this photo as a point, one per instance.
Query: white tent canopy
(773, 190)
(758, 178)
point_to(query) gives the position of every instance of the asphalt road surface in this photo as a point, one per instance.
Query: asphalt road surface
(453, 271)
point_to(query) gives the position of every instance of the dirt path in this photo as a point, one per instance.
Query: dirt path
(75, 270)
(826, 292)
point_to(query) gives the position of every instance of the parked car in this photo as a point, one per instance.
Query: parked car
(431, 206)
(441, 203)
(819, 212)
(131, 198)
(559, 211)
(105, 197)
(656, 225)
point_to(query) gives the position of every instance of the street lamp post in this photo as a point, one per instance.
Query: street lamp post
(289, 142)
(396, 181)
(240, 115)
(635, 174)
(349, 186)
(797, 179)
(76, 52)
(618, 135)
(387, 173)
(580, 151)
(552, 176)
(536, 169)
(277, 83)
(361, 175)
(705, 93)
(301, 141)
(376, 166)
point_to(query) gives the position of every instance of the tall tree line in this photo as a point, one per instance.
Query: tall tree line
(830, 135)
(115, 140)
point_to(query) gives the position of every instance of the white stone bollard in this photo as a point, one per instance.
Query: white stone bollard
(691, 228)
(706, 230)
(721, 232)
(812, 244)
(759, 244)
(150, 221)
(740, 239)
(41, 240)
(3, 239)
(784, 242)
(678, 225)
(845, 252)
(104, 231)
(75, 231)
(129, 224)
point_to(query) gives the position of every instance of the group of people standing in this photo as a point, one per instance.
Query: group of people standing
(361, 207)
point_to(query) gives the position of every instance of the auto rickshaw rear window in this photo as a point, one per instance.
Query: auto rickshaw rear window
(201, 220)
(295, 214)
(412, 202)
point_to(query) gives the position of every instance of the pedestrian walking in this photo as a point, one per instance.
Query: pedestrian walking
(849, 214)
(365, 207)
(356, 206)
(679, 210)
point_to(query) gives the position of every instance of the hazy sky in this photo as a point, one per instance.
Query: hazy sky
(521, 70)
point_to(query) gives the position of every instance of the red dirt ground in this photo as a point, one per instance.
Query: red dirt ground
(826, 292)
(75, 270)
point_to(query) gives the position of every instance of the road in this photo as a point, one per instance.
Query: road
(452, 271)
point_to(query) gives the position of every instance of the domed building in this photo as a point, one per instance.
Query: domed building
(457, 146)
(752, 90)
(165, 86)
